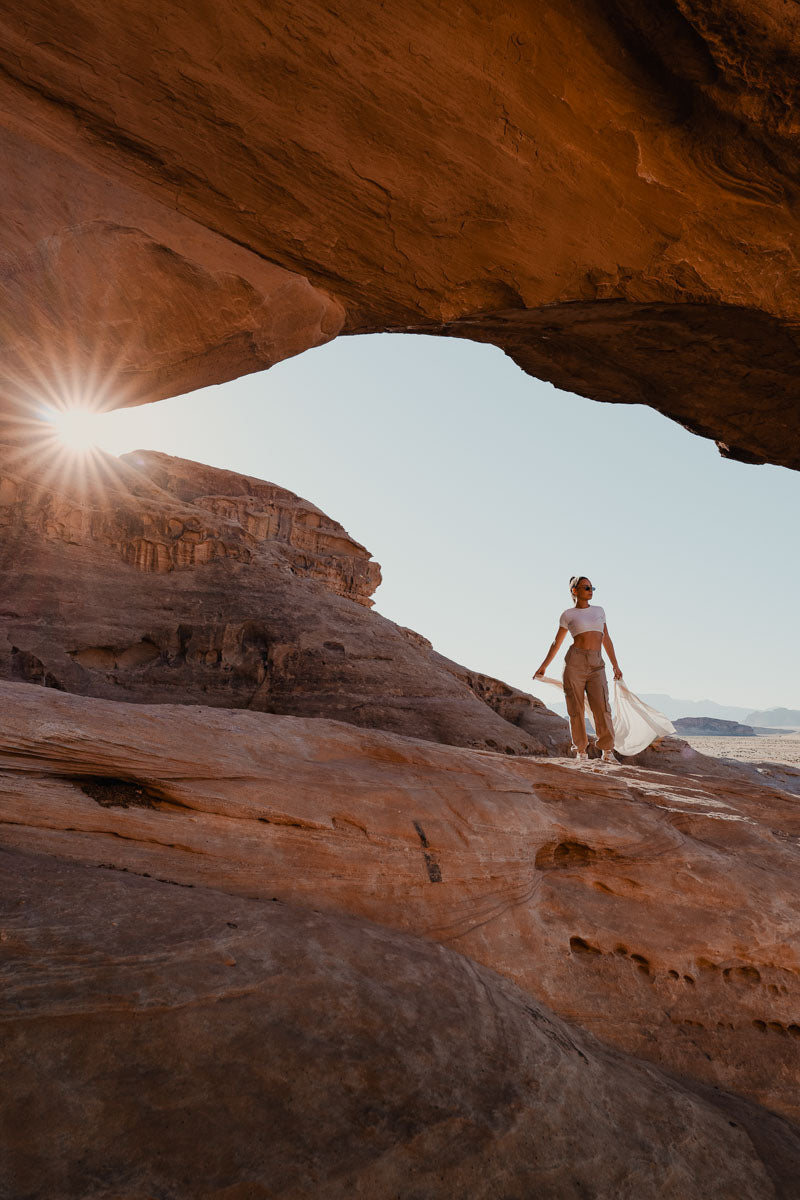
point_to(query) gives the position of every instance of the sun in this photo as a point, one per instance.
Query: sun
(76, 427)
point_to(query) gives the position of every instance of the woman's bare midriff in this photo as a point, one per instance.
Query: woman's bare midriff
(593, 640)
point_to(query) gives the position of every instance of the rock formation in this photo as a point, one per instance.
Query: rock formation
(213, 1045)
(712, 727)
(160, 514)
(267, 952)
(605, 190)
(156, 579)
(652, 908)
(655, 910)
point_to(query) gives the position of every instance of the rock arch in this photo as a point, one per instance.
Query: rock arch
(605, 190)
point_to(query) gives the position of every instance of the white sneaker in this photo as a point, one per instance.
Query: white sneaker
(581, 758)
(608, 757)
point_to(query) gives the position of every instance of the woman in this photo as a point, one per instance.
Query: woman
(584, 671)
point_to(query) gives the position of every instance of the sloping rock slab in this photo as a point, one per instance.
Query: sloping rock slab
(658, 911)
(184, 1043)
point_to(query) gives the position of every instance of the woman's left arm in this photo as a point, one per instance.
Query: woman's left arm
(608, 646)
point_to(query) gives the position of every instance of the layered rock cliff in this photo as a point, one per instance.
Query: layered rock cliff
(606, 190)
(160, 513)
(156, 579)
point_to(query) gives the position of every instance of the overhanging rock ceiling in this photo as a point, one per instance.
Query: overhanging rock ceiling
(608, 191)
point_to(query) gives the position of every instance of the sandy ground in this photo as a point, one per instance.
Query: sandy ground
(783, 748)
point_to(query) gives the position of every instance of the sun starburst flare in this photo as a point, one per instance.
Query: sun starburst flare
(76, 427)
(58, 436)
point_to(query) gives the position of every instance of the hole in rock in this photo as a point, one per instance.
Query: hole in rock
(124, 658)
(96, 658)
(28, 668)
(341, 424)
(569, 853)
(110, 792)
(749, 974)
(138, 655)
(579, 946)
(560, 855)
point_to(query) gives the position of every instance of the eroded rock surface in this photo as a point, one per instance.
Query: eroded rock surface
(160, 513)
(606, 190)
(196, 1044)
(657, 911)
(156, 579)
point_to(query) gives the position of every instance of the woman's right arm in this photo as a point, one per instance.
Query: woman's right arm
(561, 633)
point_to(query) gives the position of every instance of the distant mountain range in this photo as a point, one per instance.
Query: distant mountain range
(673, 708)
(781, 718)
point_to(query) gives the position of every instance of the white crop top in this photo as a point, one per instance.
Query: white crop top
(591, 619)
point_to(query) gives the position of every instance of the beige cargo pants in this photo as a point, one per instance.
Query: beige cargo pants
(585, 673)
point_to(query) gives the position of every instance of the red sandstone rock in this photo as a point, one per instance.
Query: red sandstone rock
(157, 529)
(156, 579)
(606, 190)
(111, 297)
(657, 911)
(162, 1041)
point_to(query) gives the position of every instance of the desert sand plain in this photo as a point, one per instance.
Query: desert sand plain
(776, 748)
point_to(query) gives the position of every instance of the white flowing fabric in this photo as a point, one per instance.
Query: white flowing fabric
(636, 724)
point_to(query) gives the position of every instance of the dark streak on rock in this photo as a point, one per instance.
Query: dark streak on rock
(434, 870)
(143, 875)
(554, 1032)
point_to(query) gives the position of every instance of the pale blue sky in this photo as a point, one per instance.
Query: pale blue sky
(481, 490)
